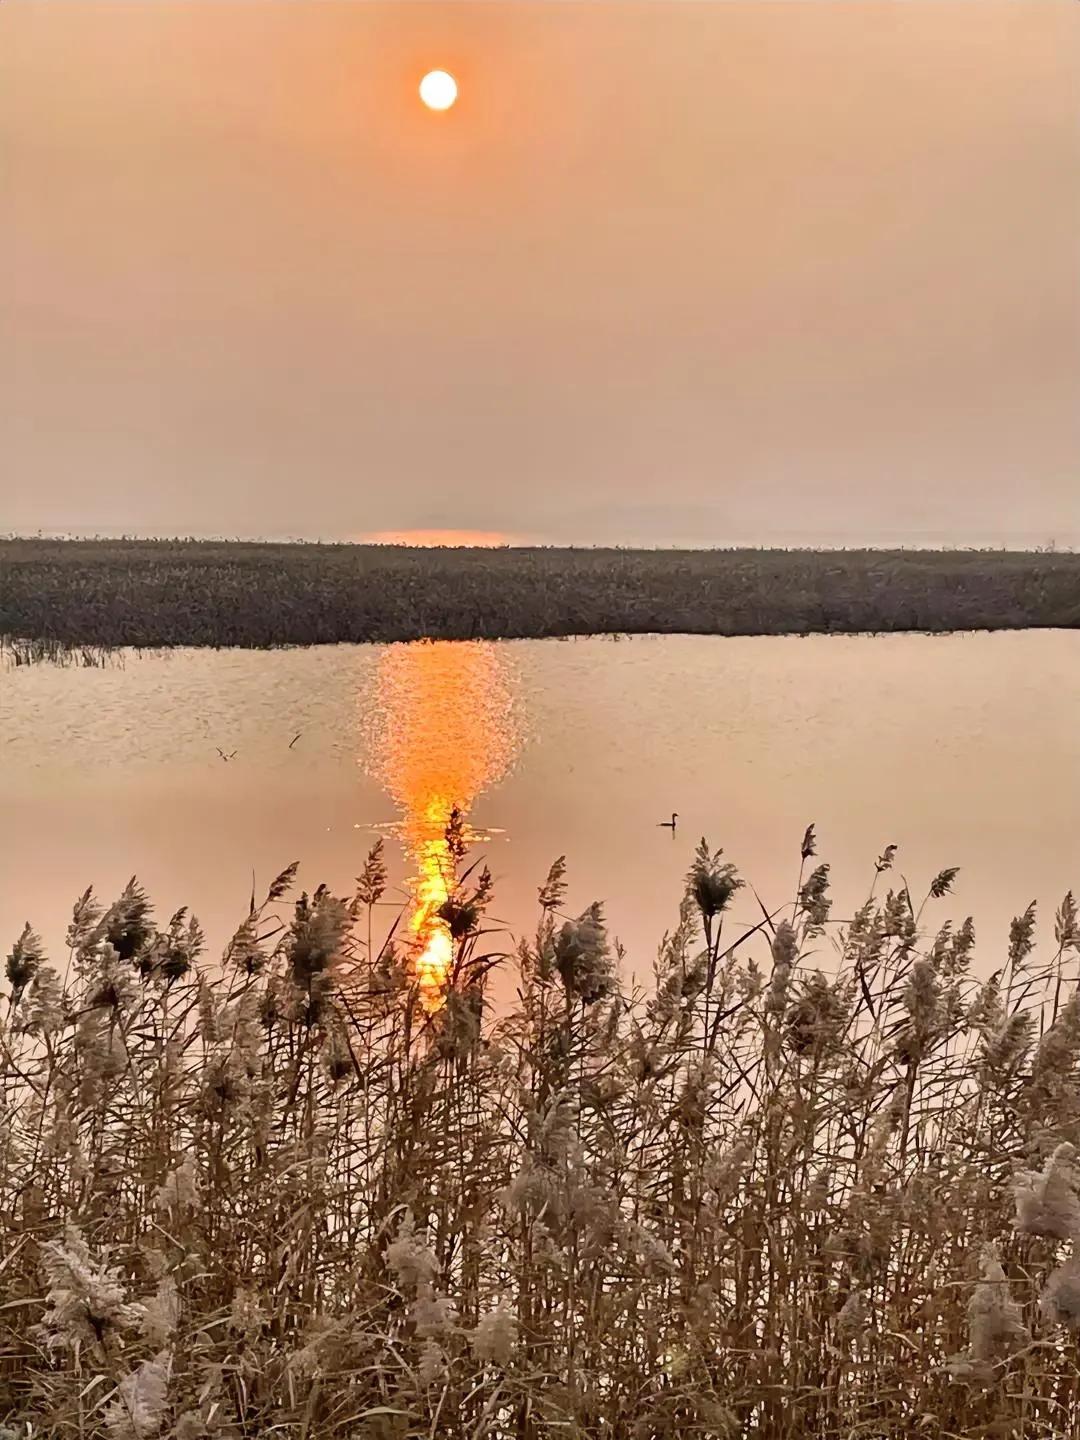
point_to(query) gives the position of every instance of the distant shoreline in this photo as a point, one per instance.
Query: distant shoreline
(102, 594)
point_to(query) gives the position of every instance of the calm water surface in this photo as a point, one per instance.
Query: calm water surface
(963, 750)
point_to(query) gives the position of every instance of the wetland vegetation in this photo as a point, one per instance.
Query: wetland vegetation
(59, 597)
(817, 1180)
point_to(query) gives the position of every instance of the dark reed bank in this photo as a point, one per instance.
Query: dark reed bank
(291, 1193)
(160, 593)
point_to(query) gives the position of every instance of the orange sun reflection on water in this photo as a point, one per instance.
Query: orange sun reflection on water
(445, 730)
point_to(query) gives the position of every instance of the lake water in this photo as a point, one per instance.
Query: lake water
(962, 750)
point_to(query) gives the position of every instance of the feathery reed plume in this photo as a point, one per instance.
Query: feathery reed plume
(712, 882)
(583, 957)
(885, 859)
(139, 1410)
(785, 948)
(27, 954)
(552, 893)
(995, 1324)
(372, 880)
(1059, 1303)
(127, 923)
(86, 1303)
(942, 882)
(1048, 1200)
(495, 1338)
(815, 901)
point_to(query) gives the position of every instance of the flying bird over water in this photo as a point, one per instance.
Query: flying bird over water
(221, 752)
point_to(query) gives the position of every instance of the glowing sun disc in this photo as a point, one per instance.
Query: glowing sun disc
(438, 90)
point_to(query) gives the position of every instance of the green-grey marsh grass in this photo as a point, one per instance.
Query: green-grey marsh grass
(93, 594)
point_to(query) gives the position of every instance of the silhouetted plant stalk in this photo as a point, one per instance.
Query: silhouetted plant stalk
(284, 1193)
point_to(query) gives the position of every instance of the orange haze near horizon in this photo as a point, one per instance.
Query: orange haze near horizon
(436, 539)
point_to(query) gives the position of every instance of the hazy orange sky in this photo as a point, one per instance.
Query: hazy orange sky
(705, 272)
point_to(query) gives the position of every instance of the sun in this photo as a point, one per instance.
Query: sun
(438, 90)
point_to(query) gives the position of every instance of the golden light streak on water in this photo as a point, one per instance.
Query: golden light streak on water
(445, 730)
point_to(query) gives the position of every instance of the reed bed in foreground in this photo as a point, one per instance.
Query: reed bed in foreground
(817, 1182)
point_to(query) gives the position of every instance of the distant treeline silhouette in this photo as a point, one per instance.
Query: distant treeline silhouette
(60, 594)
